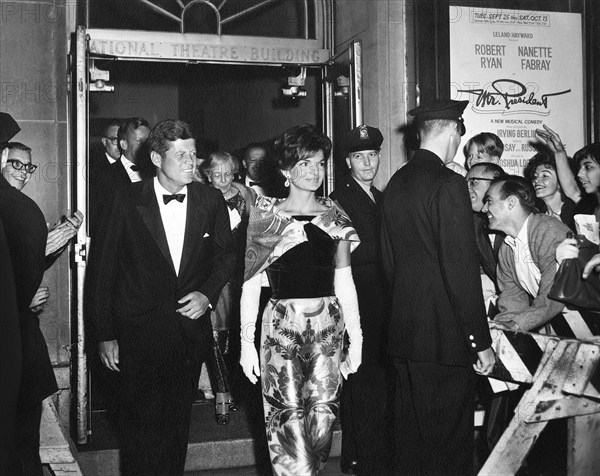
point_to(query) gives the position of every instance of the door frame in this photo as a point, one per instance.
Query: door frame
(158, 47)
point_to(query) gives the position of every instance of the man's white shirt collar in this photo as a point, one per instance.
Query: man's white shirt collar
(134, 176)
(173, 216)
(160, 191)
(528, 273)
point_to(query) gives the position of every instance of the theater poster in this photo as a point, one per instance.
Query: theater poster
(519, 70)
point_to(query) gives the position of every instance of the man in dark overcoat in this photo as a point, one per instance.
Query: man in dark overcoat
(365, 438)
(26, 232)
(438, 330)
(165, 256)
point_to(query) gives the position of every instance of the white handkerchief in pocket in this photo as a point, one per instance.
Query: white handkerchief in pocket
(206, 235)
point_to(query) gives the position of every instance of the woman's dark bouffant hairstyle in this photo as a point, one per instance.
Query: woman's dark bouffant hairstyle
(299, 143)
(541, 158)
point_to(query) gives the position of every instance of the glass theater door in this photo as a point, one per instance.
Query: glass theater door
(343, 106)
(79, 170)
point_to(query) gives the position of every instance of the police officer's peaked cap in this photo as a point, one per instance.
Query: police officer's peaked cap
(363, 138)
(443, 109)
(8, 127)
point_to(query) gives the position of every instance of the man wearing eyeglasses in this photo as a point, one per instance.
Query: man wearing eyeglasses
(479, 178)
(18, 168)
(110, 141)
(26, 234)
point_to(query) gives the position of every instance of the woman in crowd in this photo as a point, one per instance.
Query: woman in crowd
(483, 147)
(303, 242)
(541, 171)
(587, 165)
(220, 169)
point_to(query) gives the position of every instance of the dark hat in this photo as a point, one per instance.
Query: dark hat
(442, 109)
(8, 127)
(363, 138)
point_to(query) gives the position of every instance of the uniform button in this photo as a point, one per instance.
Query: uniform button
(473, 344)
(471, 337)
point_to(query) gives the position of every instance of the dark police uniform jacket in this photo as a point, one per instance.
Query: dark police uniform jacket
(431, 261)
(366, 262)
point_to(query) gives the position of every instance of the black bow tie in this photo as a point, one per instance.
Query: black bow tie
(134, 167)
(176, 196)
(252, 184)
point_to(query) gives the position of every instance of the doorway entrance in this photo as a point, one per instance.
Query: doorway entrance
(229, 104)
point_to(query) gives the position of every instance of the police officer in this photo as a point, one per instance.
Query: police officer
(365, 415)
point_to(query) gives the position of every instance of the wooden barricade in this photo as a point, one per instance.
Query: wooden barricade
(564, 378)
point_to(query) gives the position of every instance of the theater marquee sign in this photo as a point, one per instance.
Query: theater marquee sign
(519, 70)
(161, 46)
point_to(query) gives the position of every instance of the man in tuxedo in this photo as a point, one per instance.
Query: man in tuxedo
(165, 256)
(99, 162)
(365, 438)
(132, 134)
(26, 232)
(438, 329)
(260, 172)
(110, 142)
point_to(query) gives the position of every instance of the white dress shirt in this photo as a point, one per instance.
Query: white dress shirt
(528, 273)
(109, 158)
(134, 176)
(173, 216)
(257, 188)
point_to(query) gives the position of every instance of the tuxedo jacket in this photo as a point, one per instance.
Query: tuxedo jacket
(104, 184)
(136, 287)
(431, 261)
(26, 233)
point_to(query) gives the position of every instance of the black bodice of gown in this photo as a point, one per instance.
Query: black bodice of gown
(307, 269)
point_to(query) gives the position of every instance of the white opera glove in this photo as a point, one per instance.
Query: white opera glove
(346, 294)
(249, 304)
(567, 249)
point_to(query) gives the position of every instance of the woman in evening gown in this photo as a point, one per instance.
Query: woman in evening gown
(303, 244)
(219, 169)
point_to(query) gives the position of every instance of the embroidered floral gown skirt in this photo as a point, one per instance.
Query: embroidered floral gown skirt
(302, 330)
(300, 354)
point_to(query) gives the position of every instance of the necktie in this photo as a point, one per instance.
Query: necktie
(374, 192)
(252, 184)
(134, 167)
(176, 196)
